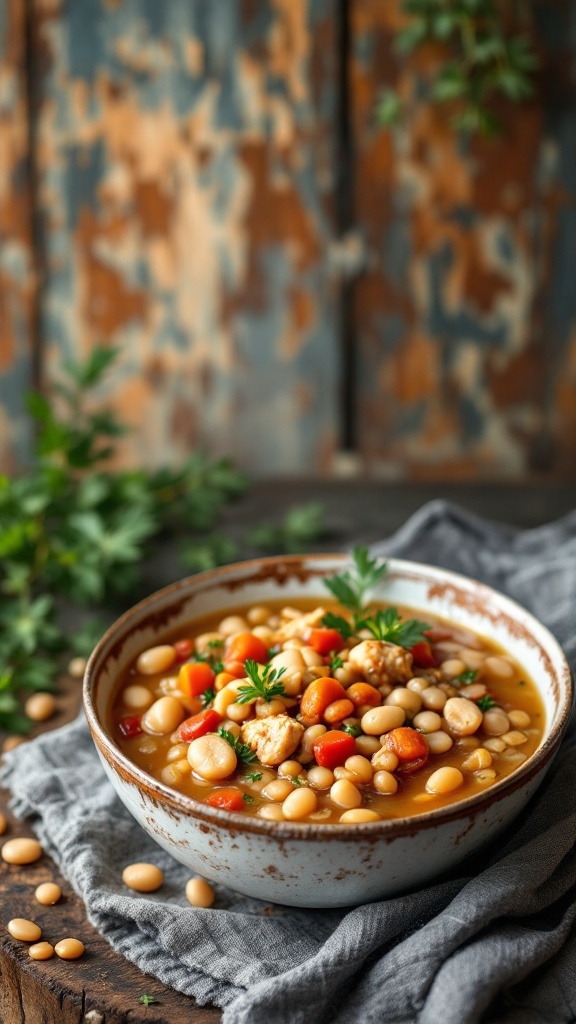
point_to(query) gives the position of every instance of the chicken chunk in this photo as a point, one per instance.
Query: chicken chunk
(299, 627)
(381, 662)
(272, 739)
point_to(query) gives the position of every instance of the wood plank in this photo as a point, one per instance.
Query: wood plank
(186, 189)
(465, 319)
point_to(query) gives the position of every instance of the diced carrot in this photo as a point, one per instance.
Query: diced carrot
(194, 677)
(222, 680)
(333, 748)
(338, 710)
(199, 725)
(409, 746)
(183, 650)
(318, 695)
(229, 799)
(324, 641)
(243, 646)
(363, 693)
(423, 655)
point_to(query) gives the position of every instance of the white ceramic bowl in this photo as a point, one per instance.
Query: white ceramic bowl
(315, 865)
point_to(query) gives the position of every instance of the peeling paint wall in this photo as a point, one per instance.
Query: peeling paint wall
(184, 181)
(16, 259)
(466, 315)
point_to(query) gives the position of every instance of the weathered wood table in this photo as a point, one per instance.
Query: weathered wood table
(102, 987)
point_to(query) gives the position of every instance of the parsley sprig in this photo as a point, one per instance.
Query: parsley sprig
(264, 683)
(338, 623)
(466, 677)
(486, 702)
(242, 750)
(388, 625)
(351, 586)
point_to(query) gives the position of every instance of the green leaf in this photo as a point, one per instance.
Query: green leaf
(336, 622)
(485, 703)
(243, 752)
(387, 625)
(264, 683)
(89, 372)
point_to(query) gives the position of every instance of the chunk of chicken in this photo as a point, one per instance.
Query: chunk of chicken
(272, 739)
(299, 627)
(381, 663)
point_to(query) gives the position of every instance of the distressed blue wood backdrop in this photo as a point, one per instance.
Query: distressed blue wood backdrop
(169, 178)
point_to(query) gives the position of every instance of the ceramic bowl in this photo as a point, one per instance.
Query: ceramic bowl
(315, 865)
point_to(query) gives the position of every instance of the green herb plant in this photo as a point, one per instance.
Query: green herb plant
(487, 59)
(302, 526)
(72, 529)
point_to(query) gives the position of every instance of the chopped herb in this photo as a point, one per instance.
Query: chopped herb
(486, 702)
(242, 750)
(297, 781)
(264, 683)
(207, 697)
(387, 625)
(521, 682)
(467, 677)
(336, 662)
(253, 776)
(336, 622)
(350, 587)
(215, 643)
(247, 798)
(218, 666)
(147, 1000)
(352, 730)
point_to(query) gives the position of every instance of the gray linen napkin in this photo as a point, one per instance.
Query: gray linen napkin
(492, 941)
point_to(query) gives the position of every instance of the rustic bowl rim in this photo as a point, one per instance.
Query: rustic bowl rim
(386, 829)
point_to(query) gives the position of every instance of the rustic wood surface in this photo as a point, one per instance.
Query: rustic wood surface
(102, 987)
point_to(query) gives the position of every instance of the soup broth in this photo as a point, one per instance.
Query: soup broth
(272, 711)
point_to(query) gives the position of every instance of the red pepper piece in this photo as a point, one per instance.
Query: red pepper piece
(130, 726)
(423, 655)
(199, 725)
(324, 641)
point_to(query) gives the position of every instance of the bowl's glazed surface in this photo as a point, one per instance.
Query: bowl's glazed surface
(315, 865)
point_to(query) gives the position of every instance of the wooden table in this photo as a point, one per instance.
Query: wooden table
(102, 987)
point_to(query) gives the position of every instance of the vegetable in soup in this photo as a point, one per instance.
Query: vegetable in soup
(327, 713)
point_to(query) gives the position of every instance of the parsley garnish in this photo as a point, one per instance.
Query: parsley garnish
(253, 776)
(147, 1000)
(264, 683)
(468, 676)
(207, 697)
(336, 662)
(217, 642)
(336, 622)
(521, 682)
(247, 798)
(350, 586)
(486, 702)
(352, 730)
(387, 625)
(242, 750)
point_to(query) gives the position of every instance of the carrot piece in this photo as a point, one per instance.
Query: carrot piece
(363, 693)
(338, 710)
(333, 748)
(409, 746)
(194, 677)
(318, 695)
(243, 646)
(423, 655)
(222, 679)
(229, 799)
(324, 641)
(199, 725)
